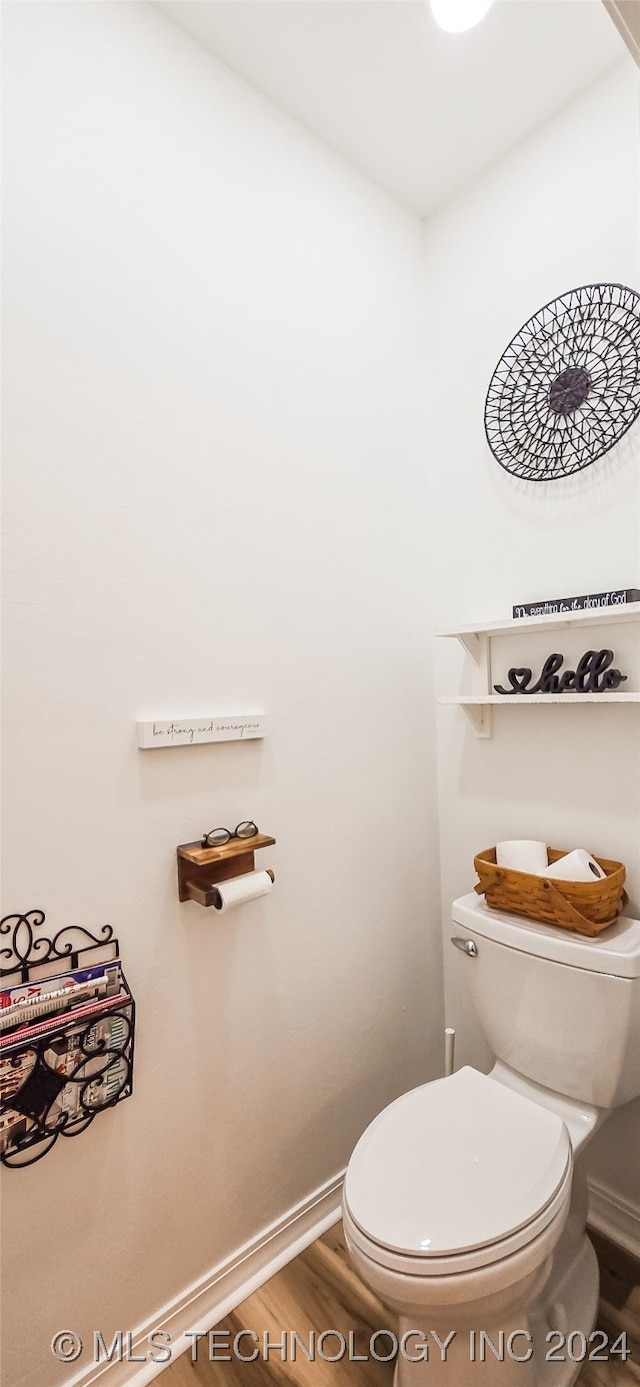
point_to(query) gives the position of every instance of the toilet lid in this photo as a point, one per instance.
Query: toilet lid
(455, 1165)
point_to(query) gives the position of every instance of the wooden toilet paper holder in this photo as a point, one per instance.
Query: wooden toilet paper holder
(200, 869)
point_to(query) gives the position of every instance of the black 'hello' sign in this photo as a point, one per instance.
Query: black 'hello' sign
(591, 675)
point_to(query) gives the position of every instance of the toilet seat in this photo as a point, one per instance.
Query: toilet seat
(456, 1174)
(453, 1264)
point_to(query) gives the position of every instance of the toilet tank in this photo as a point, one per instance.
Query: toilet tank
(559, 1008)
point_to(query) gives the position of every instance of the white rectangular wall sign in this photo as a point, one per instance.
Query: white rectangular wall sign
(228, 727)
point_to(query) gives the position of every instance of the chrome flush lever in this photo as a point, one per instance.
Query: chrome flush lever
(467, 945)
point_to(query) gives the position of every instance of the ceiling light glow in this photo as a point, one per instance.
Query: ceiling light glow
(457, 15)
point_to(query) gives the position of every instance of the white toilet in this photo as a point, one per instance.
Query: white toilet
(465, 1200)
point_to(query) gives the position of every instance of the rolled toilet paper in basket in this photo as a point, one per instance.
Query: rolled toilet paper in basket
(578, 865)
(522, 855)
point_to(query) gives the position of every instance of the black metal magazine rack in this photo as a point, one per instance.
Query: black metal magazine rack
(67, 1024)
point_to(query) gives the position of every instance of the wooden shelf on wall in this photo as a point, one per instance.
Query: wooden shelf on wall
(199, 869)
(236, 847)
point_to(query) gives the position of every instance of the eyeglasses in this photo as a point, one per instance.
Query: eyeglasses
(217, 837)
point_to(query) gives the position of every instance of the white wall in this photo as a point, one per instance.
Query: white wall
(214, 451)
(563, 210)
(216, 497)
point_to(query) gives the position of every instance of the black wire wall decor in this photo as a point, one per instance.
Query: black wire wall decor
(568, 385)
(68, 1055)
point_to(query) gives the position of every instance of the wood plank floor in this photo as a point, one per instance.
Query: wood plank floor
(319, 1290)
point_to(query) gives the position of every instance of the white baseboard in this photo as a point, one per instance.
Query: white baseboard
(203, 1304)
(615, 1218)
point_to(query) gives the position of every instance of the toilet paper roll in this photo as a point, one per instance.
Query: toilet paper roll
(239, 889)
(523, 855)
(578, 865)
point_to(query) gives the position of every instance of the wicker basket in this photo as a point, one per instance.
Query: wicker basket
(585, 906)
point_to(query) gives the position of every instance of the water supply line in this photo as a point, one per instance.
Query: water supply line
(449, 1044)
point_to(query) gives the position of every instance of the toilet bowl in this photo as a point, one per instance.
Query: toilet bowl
(465, 1201)
(455, 1200)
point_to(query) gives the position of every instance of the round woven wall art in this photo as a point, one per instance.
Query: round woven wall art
(568, 385)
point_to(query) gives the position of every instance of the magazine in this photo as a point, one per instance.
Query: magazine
(25, 1002)
(24, 1034)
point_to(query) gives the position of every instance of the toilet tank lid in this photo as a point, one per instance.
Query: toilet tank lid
(616, 951)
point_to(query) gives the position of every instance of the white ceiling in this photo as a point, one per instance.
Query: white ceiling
(420, 111)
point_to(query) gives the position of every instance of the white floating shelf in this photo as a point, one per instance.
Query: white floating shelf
(476, 640)
(478, 706)
(600, 616)
(523, 699)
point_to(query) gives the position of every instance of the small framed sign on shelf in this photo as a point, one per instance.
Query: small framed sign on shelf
(588, 601)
